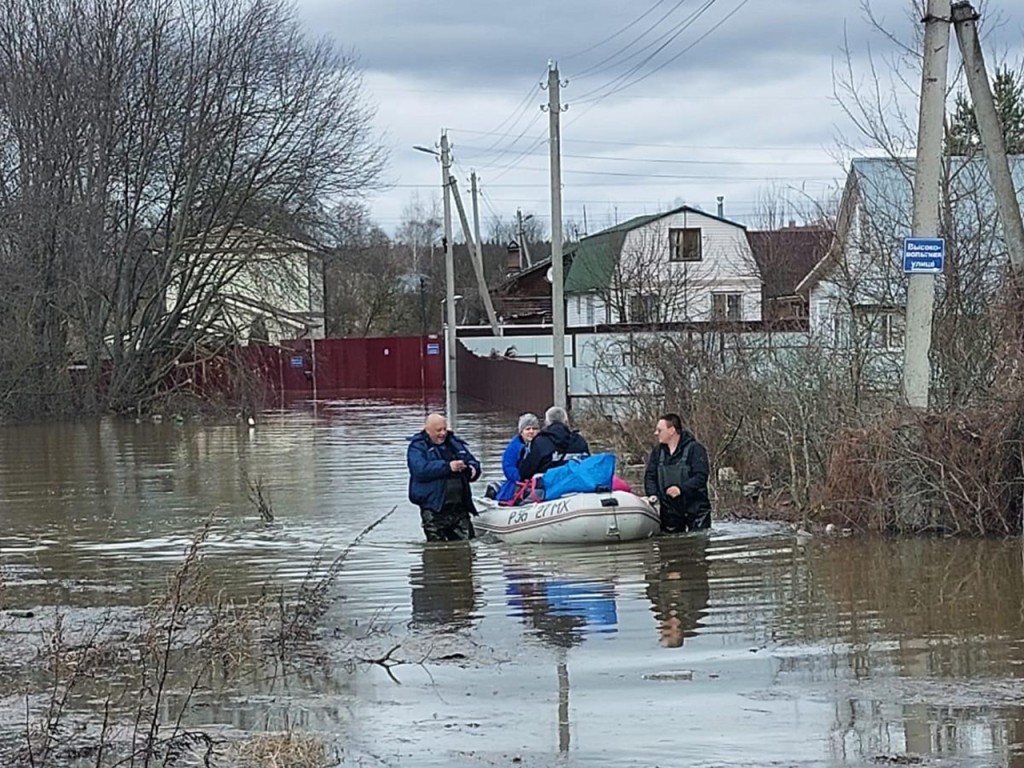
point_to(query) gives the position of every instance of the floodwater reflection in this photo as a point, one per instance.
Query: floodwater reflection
(678, 587)
(741, 647)
(443, 592)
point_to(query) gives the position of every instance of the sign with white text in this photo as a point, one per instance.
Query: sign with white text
(924, 255)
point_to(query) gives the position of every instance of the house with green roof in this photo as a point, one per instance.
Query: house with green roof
(680, 266)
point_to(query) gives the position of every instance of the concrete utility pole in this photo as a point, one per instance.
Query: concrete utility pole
(478, 264)
(450, 340)
(475, 193)
(557, 267)
(990, 130)
(521, 237)
(927, 177)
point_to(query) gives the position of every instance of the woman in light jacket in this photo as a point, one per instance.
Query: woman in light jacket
(529, 426)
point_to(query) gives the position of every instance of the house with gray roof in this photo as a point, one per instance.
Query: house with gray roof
(857, 290)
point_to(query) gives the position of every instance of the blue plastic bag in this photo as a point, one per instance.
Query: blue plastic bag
(581, 475)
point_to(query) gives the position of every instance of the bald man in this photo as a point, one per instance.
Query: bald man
(441, 468)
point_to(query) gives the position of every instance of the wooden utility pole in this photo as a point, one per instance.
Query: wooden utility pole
(927, 177)
(557, 266)
(478, 264)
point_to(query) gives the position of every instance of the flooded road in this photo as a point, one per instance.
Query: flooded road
(741, 648)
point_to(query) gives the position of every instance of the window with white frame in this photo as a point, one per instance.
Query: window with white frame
(823, 314)
(684, 244)
(727, 307)
(589, 310)
(643, 308)
(881, 327)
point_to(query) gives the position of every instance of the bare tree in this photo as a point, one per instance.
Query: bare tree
(971, 302)
(420, 231)
(149, 149)
(501, 230)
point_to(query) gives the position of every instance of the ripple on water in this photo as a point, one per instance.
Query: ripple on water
(832, 653)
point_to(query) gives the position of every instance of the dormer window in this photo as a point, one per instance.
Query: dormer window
(684, 244)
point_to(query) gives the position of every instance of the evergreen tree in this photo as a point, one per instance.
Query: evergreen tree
(1008, 92)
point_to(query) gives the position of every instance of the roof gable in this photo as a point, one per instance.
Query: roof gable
(882, 189)
(785, 256)
(595, 258)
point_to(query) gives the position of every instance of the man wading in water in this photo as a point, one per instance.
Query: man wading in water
(677, 473)
(440, 471)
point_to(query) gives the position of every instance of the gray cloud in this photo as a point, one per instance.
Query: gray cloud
(748, 107)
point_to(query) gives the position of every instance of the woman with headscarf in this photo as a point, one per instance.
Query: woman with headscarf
(529, 426)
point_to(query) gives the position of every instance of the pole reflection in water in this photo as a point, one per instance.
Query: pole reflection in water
(443, 592)
(561, 612)
(678, 589)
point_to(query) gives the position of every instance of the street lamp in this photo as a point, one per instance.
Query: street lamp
(451, 382)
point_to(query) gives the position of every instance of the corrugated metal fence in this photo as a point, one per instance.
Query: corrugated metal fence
(401, 363)
(513, 385)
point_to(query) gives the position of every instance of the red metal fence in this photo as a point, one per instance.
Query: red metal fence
(409, 364)
(402, 363)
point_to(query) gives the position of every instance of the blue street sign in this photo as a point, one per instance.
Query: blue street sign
(297, 361)
(433, 348)
(924, 255)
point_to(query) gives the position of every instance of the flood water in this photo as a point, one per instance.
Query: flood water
(745, 647)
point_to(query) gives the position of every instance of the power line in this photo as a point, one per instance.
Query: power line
(506, 150)
(675, 57)
(599, 66)
(517, 114)
(676, 161)
(665, 39)
(615, 34)
(637, 175)
(611, 142)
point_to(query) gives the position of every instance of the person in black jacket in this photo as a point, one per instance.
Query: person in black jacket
(553, 445)
(677, 473)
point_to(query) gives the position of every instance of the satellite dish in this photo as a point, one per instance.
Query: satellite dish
(550, 275)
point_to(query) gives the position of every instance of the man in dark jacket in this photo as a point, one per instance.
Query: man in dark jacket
(440, 471)
(553, 445)
(677, 473)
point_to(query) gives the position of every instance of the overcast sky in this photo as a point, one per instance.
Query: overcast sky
(669, 101)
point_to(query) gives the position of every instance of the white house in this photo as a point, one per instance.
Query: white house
(684, 265)
(251, 284)
(857, 291)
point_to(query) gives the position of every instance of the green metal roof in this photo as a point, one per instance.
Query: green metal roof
(594, 260)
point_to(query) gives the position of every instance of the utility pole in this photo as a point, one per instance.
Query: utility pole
(557, 266)
(450, 340)
(478, 264)
(990, 131)
(521, 237)
(475, 192)
(927, 177)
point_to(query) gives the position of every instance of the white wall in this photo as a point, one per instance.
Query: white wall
(684, 289)
(596, 365)
(727, 265)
